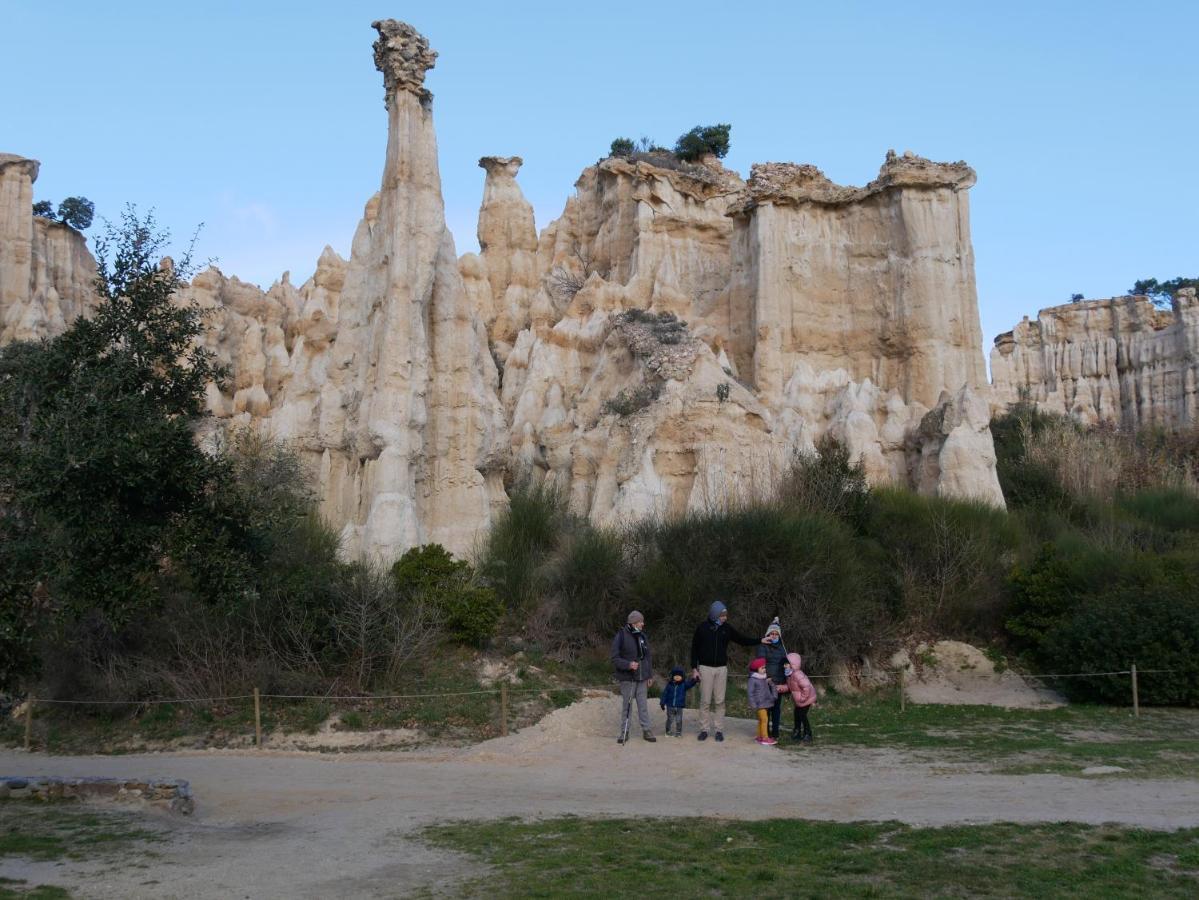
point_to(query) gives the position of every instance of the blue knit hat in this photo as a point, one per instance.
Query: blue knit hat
(715, 610)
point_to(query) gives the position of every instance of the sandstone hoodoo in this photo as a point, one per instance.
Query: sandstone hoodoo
(1121, 361)
(667, 344)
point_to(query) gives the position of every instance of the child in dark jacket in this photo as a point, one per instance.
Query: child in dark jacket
(674, 699)
(762, 695)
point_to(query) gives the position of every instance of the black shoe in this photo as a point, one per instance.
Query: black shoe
(702, 736)
(649, 736)
(807, 739)
(620, 740)
(719, 736)
(796, 735)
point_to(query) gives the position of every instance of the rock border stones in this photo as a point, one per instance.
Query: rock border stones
(172, 794)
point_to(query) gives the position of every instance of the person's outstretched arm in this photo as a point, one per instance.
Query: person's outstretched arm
(738, 638)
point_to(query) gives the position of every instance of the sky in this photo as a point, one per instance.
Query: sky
(265, 122)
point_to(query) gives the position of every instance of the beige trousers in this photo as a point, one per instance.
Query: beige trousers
(713, 680)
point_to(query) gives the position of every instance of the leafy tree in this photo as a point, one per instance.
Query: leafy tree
(76, 212)
(104, 488)
(622, 147)
(703, 139)
(1162, 292)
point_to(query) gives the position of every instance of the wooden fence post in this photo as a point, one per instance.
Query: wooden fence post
(902, 693)
(29, 723)
(1136, 700)
(503, 709)
(257, 720)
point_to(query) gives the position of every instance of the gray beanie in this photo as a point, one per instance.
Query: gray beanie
(635, 617)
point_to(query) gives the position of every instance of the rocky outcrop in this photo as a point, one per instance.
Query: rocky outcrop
(668, 344)
(46, 273)
(1121, 361)
(502, 278)
(877, 281)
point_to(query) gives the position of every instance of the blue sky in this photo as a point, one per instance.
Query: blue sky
(265, 120)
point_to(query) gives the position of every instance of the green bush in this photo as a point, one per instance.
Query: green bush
(1155, 626)
(1171, 510)
(470, 611)
(520, 543)
(703, 139)
(591, 577)
(622, 147)
(629, 401)
(827, 481)
(948, 559)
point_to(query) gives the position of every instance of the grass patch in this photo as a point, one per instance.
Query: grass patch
(58, 832)
(687, 857)
(14, 889)
(1162, 743)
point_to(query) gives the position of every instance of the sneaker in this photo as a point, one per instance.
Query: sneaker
(759, 740)
(702, 736)
(719, 736)
(649, 736)
(620, 740)
(769, 741)
(807, 739)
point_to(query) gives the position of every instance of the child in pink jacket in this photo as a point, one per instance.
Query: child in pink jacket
(802, 694)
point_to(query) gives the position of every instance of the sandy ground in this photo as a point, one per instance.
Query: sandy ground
(291, 824)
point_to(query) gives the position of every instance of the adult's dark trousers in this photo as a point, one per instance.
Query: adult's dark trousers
(776, 712)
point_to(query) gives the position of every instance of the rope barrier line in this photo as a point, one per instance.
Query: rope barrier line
(43, 702)
(540, 690)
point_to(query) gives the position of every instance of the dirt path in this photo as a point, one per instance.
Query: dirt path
(306, 825)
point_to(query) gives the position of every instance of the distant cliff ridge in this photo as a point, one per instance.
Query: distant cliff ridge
(1121, 361)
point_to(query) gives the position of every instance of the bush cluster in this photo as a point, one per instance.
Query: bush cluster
(1112, 563)
(690, 146)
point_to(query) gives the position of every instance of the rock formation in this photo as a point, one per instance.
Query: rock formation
(669, 343)
(1121, 361)
(46, 272)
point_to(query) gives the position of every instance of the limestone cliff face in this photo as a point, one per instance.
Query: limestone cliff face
(809, 309)
(46, 272)
(669, 343)
(1121, 361)
(877, 281)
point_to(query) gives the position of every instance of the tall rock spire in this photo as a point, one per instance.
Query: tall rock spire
(411, 378)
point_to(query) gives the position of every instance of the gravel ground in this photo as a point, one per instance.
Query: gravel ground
(293, 824)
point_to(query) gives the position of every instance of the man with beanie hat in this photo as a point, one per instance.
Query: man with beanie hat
(710, 663)
(633, 662)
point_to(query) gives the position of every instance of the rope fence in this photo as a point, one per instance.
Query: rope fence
(504, 692)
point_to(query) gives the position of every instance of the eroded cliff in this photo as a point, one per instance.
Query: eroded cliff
(1121, 361)
(667, 344)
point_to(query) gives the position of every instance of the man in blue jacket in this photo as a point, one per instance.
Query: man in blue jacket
(634, 666)
(710, 664)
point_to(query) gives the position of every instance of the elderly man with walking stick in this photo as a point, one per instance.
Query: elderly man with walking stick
(633, 663)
